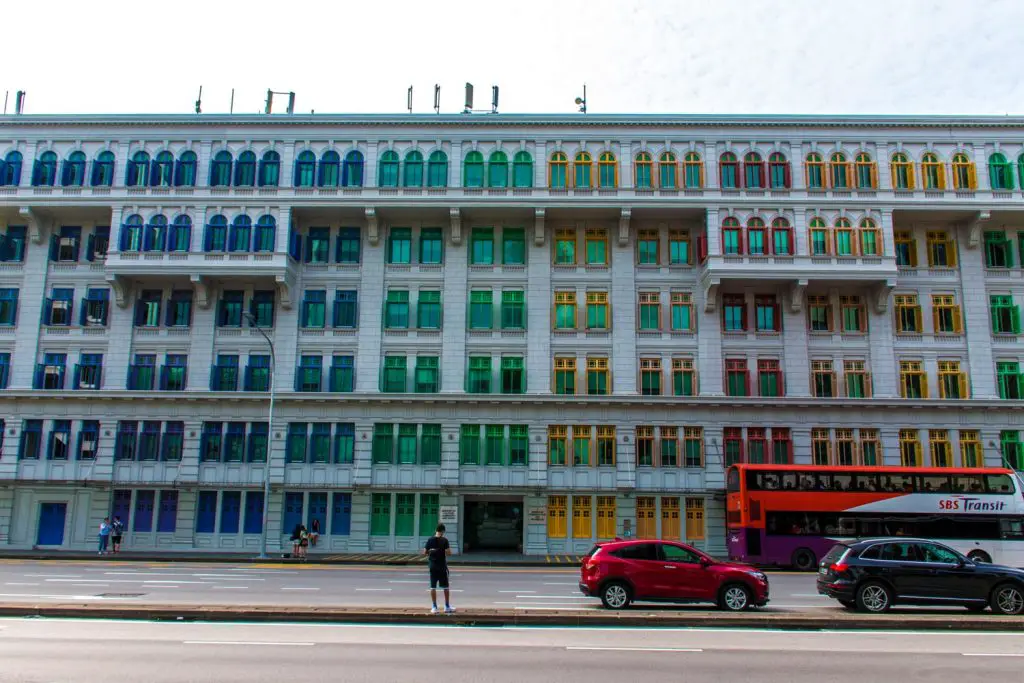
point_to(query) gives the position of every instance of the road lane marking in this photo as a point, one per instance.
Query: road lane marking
(245, 642)
(519, 592)
(561, 583)
(229, 588)
(409, 581)
(18, 583)
(299, 588)
(225, 577)
(103, 581)
(90, 585)
(385, 590)
(176, 583)
(632, 649)
(553, 597)
(53, 576)
(992, 654)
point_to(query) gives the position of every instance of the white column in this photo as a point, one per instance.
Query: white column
(371, 302)
(455, 298)
(976, 320)
(623, 298)
(539, 300)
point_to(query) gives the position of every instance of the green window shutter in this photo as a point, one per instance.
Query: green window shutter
(469, 445)
(1015, 319)
(380, 514)
(429, 503)
(519, 444)
(407, 444)
(383, 442)
(495, 444)
(430, 445)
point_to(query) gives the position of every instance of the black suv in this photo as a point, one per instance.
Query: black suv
(874, 575)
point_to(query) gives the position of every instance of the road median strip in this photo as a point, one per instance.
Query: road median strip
(518, 617)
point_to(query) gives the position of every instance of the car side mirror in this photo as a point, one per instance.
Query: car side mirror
(705, 562)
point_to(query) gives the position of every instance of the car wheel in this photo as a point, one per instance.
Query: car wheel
(615, 595)
(734, 597)
(980, 556)
(848, 604)
(1008, 598)
(804, 560)
(874, 597)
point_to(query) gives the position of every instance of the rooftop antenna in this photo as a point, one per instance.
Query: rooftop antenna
(19, 102)
(199, 101)
(270, 101)
(494, 99)
(408, 100)
(232, 110)
(437, 98)
(469, 98)
(582, 101)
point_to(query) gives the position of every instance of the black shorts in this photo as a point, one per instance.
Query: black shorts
(439, 577)
(116, 540)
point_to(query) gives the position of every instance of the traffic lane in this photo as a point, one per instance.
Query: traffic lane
(146, 651)
(187, 583)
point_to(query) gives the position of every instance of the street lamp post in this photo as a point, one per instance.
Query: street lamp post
(270, 436)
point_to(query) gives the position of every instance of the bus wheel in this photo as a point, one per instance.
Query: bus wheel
(980, 556)
(804, 559)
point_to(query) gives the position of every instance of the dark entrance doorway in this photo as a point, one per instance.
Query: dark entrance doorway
(51, 523)
(493, 525)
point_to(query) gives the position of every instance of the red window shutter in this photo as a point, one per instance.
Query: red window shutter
(780, 381)
(789, 237)
(702, 248)
(777, 318)
(746, 381)
(739, 241)
(744, 309)
(787, 175)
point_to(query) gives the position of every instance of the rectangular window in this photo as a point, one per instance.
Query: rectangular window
(970, 448)
(856, 379)
(598, 376)
(147, 308)
(309, 374)
(649, 314)
(513, 247)
(297, 443)
(262, 309)
(679, 251)
(513, 310)
(513, 375)
(732, 241)
(669, 447)
(606, 519)
(469, 445)
(314, 309)
(870, 239)
(319, 443)
(650, 377)
(206, 512)
(769, 378)
(821, 245)
(582, 523)
(229, 313)
(558, 436)
(906, 249)
(694, 519)
(429, 503)
(952, 381)
(732, 440)
(782, 446)
(941, 250)
(684, 377)
(908, 314)
(596, 246)
(940, 447)
(782, 238)
(179, 309)
(910, 448)
(768, 313)
(557, 516)
(225, 374)
(606, 446)
(821, 447)
(647, 248)
(737, 382)
(95, 308)
(819, 314)
(395, 375)
(644, 446)
(913, 380)
(481, 310)
(870, 448)
(428, 310)
(693, 446)
(670, 519)
(400, 246)
(383, 448)
(89, 371)
(845, 244)
(565, 248)
(481, 247)
(565, 310)
(682, 312)
(344, 443)
(478, 380)
(1010, 381)
(581, 438)
(1011, 449)
(823, 379)
(597, 311)
(12, 243)
(1005, 315)
(854, 314)
(756, 241)
(565, 376)
(946, 314)
(518, 445)
(346, 313)
(347, 247)
(430, 444)
(50, 373)
(58, 307)
(380, 514)
(734, 313)
(846, 448)
(342, 377)
(998, 250)
(494, 445)
(8, 305)
(427, 378)
(318, 245)
(407, 444)
(431, 246)
(396, 310)
(757, 445)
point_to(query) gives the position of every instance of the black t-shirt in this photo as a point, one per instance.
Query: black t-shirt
(437, 556)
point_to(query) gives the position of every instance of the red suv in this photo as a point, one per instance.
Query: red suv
(621, 572)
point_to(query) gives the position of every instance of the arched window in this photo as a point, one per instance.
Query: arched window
(270, 169)
(933, 172)
(756, 237)
(782, 237)
(693, 171)
(473, 172)
(163, 170)
(305, 169)
(497, 169)
(156, 234)
(73, 173)
(103, 170)
(607, 171)
(241, 234)
(220, 169)
(522, 169)
(10, 170)
(642, 167)
(667, 171)
(1000, 172)
(437, 169)
(131, 233)
(266, 234)
(558, 171)
(839, 169)
(866, 172)
(352, 170)
(216, 238)
(245, 169)
(138, 170)
(387, 172)
(821, 244)
(180, 237)
(815, 170)
(185, 169)
(964, 174)
(753, 171)
(902, 172)
(330, 169)
(870, 238)
(582, 174)
(44, 173)
(732, 237)
(412, 172)
(779, 175)
(729, 171)
(843, 239)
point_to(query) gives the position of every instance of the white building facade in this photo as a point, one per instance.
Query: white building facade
(543, 330)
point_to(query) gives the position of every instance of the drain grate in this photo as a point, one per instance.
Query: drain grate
(120, 595)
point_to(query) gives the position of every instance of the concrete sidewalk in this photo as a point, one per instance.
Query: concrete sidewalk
(637, 617)
(398, 559)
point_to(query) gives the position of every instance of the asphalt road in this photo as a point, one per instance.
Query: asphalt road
(102, 651)
(327, 585)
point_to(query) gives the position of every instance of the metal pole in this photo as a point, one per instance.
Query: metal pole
(270, 437)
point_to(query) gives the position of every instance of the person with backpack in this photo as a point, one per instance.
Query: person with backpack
(437, 550)
(116, 533)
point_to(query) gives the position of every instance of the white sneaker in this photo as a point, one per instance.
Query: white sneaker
(449, 610)
(434, 610)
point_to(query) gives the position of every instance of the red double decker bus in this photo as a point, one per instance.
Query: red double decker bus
(790, 515)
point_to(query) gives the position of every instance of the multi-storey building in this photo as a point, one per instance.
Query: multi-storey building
(545, 330)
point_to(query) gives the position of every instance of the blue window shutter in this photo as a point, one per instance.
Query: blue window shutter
(77, 234)
(53, 247)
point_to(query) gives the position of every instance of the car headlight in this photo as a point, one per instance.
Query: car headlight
(760, 576)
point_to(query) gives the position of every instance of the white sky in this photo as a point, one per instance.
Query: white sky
(636, 56)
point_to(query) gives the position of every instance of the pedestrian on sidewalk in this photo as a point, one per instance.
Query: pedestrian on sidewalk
(116, 532)
(437, 551)
(314, 532)
(104, 537)
(303, 541)
(296, 536)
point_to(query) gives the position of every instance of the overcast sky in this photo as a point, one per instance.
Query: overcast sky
(645, 56)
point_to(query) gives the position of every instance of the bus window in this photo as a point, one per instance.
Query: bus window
(1012, 528)
(967, 483)
(847, 526)
(998, 483)
(733, 483)
(789, 481)
(842, 482)
(769, 481)
(868, 527)
(933, 483)
(899, 483)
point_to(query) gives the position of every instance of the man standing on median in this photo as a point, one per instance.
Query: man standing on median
(437, 551)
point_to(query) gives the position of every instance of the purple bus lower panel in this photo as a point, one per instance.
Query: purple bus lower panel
(754, 546)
